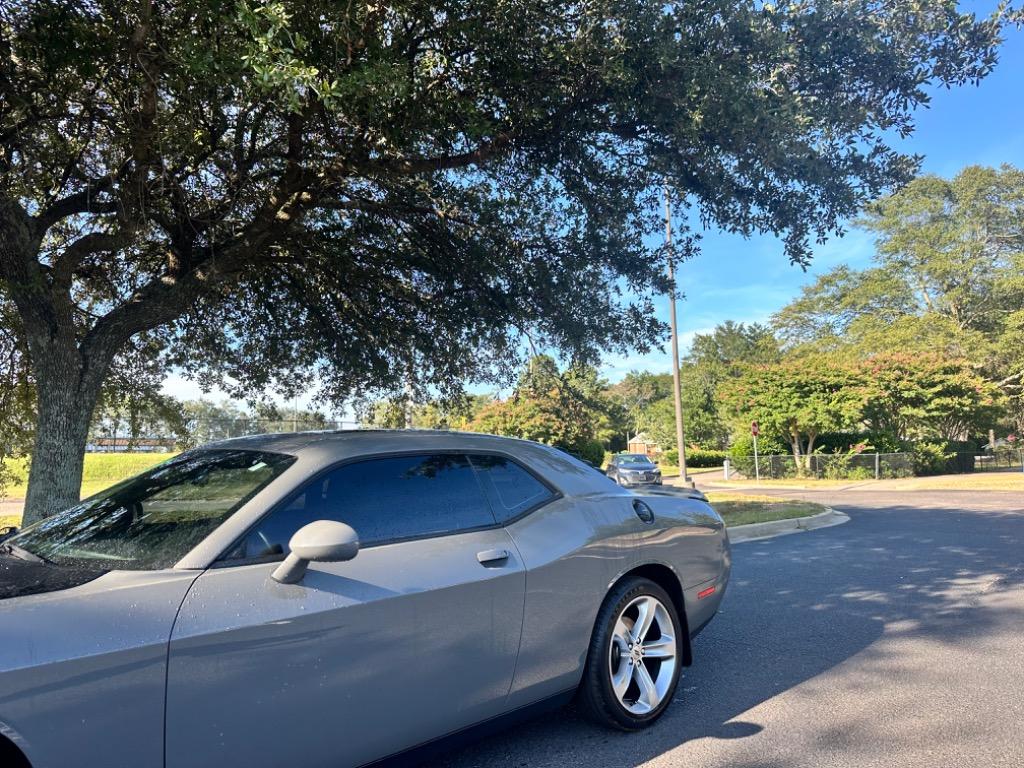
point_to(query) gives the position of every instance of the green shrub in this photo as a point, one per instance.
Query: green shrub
(590, 451)
(931, 458)
(701, 458)
(696, 458)
(767, 445)
(842, 442)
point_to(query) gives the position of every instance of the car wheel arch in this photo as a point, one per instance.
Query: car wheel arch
(10, 755)
(666, 578)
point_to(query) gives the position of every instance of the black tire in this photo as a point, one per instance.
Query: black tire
(596, 697)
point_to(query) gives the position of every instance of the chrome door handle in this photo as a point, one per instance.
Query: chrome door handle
(492, 556)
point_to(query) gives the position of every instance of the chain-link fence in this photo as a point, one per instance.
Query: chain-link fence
(855, 466)
(873, 466)
(1000, 461)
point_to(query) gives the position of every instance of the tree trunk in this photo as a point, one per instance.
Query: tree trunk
(810, 449)
(66, 401)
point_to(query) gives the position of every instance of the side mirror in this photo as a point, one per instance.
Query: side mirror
(324, 541)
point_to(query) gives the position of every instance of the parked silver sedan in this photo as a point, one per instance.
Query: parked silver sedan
(633, 469)
(331, 599)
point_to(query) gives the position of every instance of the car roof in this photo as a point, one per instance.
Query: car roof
(346, 442)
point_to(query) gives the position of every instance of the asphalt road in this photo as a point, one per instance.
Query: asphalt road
(896, 639)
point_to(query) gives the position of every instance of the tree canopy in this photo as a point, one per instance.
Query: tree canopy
(569, 409)
(378, 196)
(797, 399)
(948, 278)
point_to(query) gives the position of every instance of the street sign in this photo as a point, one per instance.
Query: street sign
(755, 428)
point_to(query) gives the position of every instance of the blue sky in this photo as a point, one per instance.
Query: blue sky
(748, 279)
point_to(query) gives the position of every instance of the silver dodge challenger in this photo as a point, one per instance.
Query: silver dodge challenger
(335, 599)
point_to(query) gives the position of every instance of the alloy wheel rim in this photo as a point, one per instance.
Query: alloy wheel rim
(642, 655)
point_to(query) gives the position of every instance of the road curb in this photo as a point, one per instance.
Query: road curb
(773, 528)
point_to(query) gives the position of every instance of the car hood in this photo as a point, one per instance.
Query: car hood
(20, 578)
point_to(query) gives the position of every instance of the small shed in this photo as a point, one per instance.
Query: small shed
(641, 443)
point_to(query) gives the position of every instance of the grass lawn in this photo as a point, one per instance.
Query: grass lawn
(791, 482)
(741, 508)
(101, 471)
(977, 481)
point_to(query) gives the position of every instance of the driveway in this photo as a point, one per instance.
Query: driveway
(894, 640)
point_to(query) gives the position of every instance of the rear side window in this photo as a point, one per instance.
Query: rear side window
(511, 488)
(385, 499)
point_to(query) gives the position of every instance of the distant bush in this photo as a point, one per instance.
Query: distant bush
(590, 451)
(768, 445)
(842, 442)
(931, 458)
(698, 458)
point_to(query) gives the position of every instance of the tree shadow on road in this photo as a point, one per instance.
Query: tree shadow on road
(797, 607)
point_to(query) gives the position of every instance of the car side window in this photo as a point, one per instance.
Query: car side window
(383, 499)
(511, 489)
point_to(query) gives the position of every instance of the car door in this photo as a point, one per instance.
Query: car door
(574, 546)
(415, 637)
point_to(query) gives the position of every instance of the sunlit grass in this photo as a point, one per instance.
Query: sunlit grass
(790, 482)
(742, 508)
(978, 481)
(101, 471)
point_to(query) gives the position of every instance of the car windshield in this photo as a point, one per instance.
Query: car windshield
(151, 521)
(630, 459)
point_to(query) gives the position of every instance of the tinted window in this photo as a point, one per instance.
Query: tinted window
(383, 500)
(153, 520)
(512, 489)
(633, 459)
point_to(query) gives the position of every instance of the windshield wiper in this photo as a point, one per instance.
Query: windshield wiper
(22, 554)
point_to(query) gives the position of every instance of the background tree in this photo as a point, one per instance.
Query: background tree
(206, 420)
(364, 194)
(637, 391)
(136, 416)
(567, 409)
(948, 279)
(731, 345)
(798, 399)
(704, 425)
(927, 397)
(713, 358)
(433, 414)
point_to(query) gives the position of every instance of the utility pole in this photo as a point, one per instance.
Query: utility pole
(677, 395)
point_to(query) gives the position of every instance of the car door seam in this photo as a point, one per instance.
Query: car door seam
(167, 658)
(522, 617)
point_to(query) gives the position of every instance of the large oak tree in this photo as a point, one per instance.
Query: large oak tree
(382, 193)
